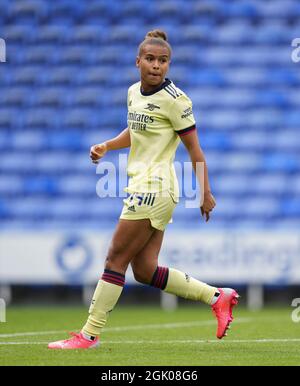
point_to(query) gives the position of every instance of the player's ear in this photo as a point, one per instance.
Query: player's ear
(137, 62)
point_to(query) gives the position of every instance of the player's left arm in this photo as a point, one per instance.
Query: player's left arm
(191, 142)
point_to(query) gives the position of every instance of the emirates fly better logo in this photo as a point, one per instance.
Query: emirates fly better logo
(2, 51)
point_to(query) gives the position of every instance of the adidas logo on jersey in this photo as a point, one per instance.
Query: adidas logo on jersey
(132, 208)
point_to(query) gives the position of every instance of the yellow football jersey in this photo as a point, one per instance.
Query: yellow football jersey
(156, 120)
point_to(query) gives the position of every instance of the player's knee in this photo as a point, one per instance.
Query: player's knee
(116, 251)
(116, 261)
(142, 276)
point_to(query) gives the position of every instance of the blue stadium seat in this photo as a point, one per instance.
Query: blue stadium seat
(51, 97)
(5, 139)
(218, 142)
(281, 162)
(295, 185)
(267, 98)
(275, 9)
(235, 33)
(240, 9)
(74, 55)
(211, 77)
(38, 54)
(92, 76)
(271, 35)
(10, 118)
(101, 9)
(124, 34)
(196, 34)
(32, 140)
(98, 135)
(62, 163)
(288, 140)
(90, 34)
(263, 208)
(62, 75)
(18, 34)
(110, 55)
(40, 118)
(27, 8)
(13, 163)
(291, 208)
(4, 210)
(65, 7)
(27, 76)
(77, 185)
(15, 96)
(205, 7)
(291, 118)
(232, 184)
(89, 96)
(46, 186)
(101, 208)
(30, 208)
(70, 141)
(10, 186)
(273, 184)
(53, 34)
(254, 140)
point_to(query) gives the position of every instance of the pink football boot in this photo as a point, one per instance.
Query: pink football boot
(222, 309)
(76, 342)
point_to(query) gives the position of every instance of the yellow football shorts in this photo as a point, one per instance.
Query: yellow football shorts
(157, 207)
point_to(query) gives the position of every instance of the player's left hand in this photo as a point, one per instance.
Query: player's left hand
(208, 205)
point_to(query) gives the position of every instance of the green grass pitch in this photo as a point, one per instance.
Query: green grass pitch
(149, 336)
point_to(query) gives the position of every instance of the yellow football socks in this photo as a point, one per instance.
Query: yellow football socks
(185, 286)
(178, 283)
(105, 297)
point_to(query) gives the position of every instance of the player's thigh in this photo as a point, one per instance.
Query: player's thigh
(145, 262)
(129, 238)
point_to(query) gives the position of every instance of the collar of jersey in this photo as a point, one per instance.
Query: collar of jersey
(163, 85)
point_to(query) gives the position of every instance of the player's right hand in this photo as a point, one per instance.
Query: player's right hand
(208, 205)
(97, 152)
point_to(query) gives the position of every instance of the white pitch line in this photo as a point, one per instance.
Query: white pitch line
(36, 333)
(201, 341)
(196, 341)
(21, 343)
(129, 328)
(172, 325)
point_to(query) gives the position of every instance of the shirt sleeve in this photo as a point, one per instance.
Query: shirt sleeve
(181, 115)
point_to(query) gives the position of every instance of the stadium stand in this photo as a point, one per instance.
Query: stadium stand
(64, 87)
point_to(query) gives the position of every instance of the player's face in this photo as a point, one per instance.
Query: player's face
(153, 63)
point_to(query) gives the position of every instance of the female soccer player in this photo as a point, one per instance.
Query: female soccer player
(159, 116)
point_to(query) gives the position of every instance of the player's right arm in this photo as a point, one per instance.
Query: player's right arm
(120, 142)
